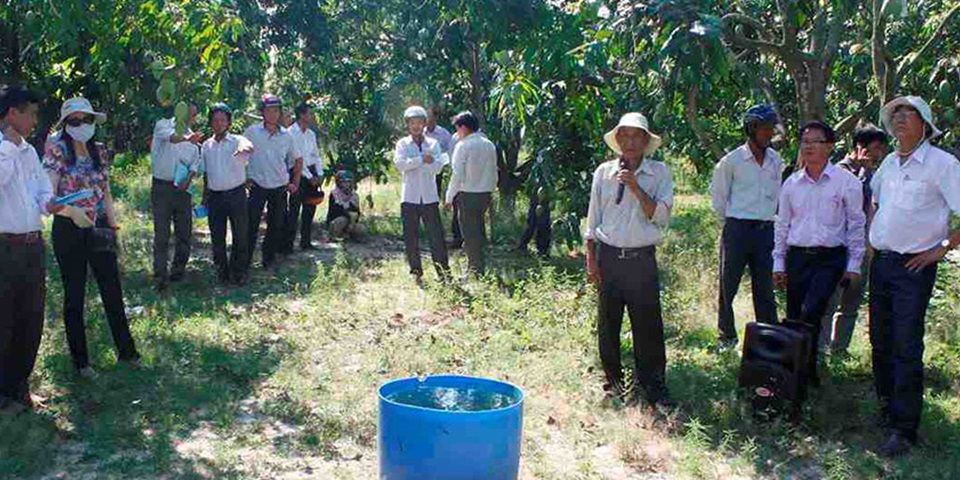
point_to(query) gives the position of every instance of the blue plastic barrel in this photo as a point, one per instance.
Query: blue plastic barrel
(425, 443)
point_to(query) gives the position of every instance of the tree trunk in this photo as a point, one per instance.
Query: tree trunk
(810, 86)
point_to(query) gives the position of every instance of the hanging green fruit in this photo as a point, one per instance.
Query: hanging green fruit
(181, 114)
(949, 116)
(166, 92)
(946, 92)
(894, 8)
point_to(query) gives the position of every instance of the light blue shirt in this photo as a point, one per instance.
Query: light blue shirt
(743, 189)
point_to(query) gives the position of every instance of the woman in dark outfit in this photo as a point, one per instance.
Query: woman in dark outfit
(85, 233)
(343, 215)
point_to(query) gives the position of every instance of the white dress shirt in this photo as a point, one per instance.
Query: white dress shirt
(165, 155)
(915, 199)
(419, 179)
(625, 225)
(273, 156)
(827, 212)
(474, 166)
(742, 188)
(225, 169)
(308, 148)
(25, 188)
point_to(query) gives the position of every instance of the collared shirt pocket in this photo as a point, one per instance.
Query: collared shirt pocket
(914, 195)
(831, 210)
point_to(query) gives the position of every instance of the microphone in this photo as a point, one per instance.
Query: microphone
(621, 187)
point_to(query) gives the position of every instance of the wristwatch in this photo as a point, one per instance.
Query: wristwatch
(946, 244)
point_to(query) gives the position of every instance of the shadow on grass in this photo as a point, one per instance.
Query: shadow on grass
(838, 433)
(127, 421)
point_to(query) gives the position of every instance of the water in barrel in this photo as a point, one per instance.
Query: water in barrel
(453, 399)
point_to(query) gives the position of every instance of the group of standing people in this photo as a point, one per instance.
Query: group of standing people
(420, 157)
(270, 167)
(815, 234)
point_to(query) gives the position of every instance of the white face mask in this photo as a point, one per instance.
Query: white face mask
(83, 133)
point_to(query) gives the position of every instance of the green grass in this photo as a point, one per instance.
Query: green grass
(278, 379)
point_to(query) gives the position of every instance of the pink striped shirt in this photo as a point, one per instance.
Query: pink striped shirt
(827, 212)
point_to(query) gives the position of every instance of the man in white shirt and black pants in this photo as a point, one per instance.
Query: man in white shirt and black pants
(819, 234)
(419, 159)
(273, 171)
(302, 209)
(745, 187)
(915, 190)
(630, 202)
(471, 186)
(224, 157)
(172, 203)
(25, 195)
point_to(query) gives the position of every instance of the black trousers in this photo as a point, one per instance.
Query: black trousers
(473, 209)
(170, 205)
(631, 281)
(22, 296)
(746, 243)
(275, 200)
(812, 276)
(412, 214)
(299, 214)
(223, 206)
(898, 309)
(72, 247)
(457, 236)
(539, 226)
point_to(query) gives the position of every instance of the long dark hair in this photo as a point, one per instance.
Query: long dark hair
(70, 155)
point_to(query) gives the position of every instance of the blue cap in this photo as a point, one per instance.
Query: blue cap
(762, 113)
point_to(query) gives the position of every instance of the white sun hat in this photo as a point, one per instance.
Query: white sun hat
(886, 114)
(79, 105)
(415, 112)
(635, 120)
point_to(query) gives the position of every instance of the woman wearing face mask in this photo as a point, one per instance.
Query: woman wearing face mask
(85, 232)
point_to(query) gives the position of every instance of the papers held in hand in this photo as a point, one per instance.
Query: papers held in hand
(74, 197)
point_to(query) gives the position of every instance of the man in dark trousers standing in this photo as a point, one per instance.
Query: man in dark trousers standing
(745, 187)
(471, 186)
(915, 190)
(419, 158)
(273, 172)
(819, 235)
(630, 202)
(172, 203)
(25, 195)
(870, 146)
(224, 157)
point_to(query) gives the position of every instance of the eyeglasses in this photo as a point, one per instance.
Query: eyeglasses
(806, 141)
(77, 121)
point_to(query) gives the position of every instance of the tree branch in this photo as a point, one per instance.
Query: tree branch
(739, 40)
(787, 15)
(937, 34)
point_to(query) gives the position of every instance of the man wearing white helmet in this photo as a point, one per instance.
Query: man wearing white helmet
(630, 202)
(914, 190)
(419, 158)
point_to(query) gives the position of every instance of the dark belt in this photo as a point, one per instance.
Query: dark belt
(157, 181)
(894, 255)
(752, 223)
(232, 190)
(628, 253)
(819, 250)
(31, 238)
